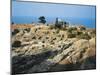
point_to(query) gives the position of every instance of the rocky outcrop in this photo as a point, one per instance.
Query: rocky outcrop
(41, 49)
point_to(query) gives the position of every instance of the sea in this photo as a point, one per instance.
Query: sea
(89, 23)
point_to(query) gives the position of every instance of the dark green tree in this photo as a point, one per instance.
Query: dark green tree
(42, 19)
(12, 23)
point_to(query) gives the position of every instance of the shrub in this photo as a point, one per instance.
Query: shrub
(51, 27)
(15, 31)
(43, 46)
(54, 38)
(64, 28)
(33, 37)
(59, 35)
(72, 29)
(27, 29)
(84, 36)
(57, 31)
(61, 38)
(71, 35)
(52, 43)
(62, 35)
(72, 32)
(47, 24)
(36, 30)
(58, 26)
(93, 33)
(47, 32)
(40, 37)
(47, 37)
(35, 42)
(16, 44)
(79, 33)
(82, 28)
(43, 41)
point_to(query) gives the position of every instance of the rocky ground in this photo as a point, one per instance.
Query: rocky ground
(42, 48)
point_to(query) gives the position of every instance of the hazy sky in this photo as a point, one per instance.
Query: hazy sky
(52, 10)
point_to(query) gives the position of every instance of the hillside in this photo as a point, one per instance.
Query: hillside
(42, 48)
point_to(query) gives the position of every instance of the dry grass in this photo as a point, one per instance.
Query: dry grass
(18, 26)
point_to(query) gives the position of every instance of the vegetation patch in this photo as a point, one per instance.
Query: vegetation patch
(71, 35)
(84, 36)
(16, 44)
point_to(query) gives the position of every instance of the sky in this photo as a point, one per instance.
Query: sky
(52, 10)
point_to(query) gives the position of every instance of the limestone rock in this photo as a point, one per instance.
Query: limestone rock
(42, 49)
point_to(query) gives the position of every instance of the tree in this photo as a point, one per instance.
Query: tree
(65, 22)
(12, 23)
(58, 24)
(42, 19)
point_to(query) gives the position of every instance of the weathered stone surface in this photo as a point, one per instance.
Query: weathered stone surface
(41, 49)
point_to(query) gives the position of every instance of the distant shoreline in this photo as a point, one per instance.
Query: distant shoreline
(18, 26)
(89, 23)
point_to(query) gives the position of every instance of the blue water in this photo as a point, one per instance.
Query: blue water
(90, 23)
